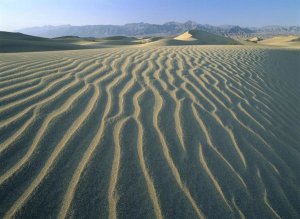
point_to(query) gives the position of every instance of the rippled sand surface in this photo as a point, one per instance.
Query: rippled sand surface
(165, 132)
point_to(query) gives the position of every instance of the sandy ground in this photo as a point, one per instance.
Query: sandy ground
(282, 41)
(165, 132)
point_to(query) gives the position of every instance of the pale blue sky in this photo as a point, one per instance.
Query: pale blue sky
(16, 14)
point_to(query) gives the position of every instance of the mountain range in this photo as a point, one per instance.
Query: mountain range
(166, 29)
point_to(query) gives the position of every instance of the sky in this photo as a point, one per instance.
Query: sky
(16, 14)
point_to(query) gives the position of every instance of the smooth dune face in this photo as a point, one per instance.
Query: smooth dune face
(185, 36)
(283, 41)
(158, 132)
(194, 37)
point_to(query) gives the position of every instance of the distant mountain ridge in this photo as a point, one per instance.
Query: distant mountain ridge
(166, 29)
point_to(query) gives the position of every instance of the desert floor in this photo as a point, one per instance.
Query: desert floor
(166, 132)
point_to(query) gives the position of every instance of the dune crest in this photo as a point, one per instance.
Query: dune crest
(284, 41)
(185, 36)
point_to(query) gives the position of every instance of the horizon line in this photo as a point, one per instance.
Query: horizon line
(163, 23)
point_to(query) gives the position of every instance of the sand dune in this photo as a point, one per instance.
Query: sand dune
(150, 132)
(185, 36)
(17, 42)
(254, 39)
(195, 37)
(283, 41)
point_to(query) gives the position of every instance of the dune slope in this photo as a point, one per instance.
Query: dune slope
(158, 132)
(282, 41)
(196, 37)
(17, 42)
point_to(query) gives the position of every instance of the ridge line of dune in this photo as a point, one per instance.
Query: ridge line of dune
(68, 197)
(44, 90)
(177, 118)
(211, 176)
(217, 118)
(43, 80)
(112, 189)
(17, 79)
(35, 108)
(157, 108)
(196, 104)
(234, 116)
(265, 196)
(14, 118)
(209, 142)
(170, 80)
(112, 193)
(14, 137)
(241, 214)
(59, 147)
(49, 98)
(26, 66)
(40, 134)
(237, 148)
(38, 70)
(149, 181)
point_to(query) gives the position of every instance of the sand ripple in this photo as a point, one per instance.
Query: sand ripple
(165, 132)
